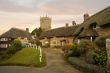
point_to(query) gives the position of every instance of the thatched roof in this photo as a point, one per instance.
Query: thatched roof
(60, 32)
(101, 18)
(88, 32)
(15, 33)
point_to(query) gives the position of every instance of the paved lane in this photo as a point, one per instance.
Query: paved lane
(55, 64)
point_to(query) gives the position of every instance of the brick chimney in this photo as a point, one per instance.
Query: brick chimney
(73, 23)
(86, 16)
(27, 29)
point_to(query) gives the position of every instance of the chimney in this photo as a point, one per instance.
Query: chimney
(66, 24)
(73, 23)
(27, 29)
(86, 16)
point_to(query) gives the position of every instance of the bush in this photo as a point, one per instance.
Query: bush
(15, 46)
(75, 52)
(38, 43)
(87, 68)
(100, 57)
(85, 46)
(101, 42)
(67, 50)
(67, 47)
(89, 58)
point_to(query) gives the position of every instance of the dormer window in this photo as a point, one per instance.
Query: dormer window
(93, 25)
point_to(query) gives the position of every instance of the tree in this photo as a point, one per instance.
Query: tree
(16, 45)
(37, 32)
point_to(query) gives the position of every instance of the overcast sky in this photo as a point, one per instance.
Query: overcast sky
(26, 13)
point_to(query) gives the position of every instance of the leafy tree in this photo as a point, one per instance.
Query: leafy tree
(37, 32)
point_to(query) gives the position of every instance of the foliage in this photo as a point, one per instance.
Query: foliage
(87, 68)
(75, 52)
(38, 43)
(16, 45)
(67, 50)
(100, 57)
(101, 42)
(85, 46)
(89, 58)
(37, 32)
(67, 47)
(26, 57)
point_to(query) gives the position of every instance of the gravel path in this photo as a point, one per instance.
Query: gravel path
(55, 64)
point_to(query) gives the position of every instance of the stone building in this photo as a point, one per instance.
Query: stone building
(45, 23)
(58, 36)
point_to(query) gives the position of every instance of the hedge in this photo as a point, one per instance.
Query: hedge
(85, 67)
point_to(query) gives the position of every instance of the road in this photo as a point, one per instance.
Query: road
(55, 64)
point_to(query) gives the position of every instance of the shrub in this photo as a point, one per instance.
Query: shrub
(100, 57)
(101, 42)
(67, 50)
(87, 68)
(89, 58)
(75, 52)
(84, 46)
(67, 47)
(15, 46)
(38, 43)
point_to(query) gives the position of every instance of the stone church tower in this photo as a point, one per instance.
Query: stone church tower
(45, 23)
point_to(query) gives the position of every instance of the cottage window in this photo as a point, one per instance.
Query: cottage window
(4, 45)
(93, 25)
(4, 39)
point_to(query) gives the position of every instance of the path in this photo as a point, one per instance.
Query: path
(55, 64)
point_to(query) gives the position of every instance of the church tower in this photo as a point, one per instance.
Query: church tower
(45, 23)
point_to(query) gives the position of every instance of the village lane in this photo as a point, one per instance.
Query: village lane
(55, 64)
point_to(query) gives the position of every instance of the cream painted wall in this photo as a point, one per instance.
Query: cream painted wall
(56, 41)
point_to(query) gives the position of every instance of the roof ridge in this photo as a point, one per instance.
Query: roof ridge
(17, 29)
(98, 13)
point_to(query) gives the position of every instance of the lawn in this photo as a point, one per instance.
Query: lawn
(26, 57)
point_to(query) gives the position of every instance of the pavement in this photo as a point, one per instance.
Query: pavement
(55, 64)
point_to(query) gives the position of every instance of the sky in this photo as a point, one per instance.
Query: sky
(26, 13)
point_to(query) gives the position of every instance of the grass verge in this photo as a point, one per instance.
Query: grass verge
(26, 57)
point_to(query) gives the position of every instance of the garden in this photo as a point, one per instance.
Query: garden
(88, 56)
(20, 56)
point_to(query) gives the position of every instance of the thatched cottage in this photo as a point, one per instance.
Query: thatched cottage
(92, 27)
(14, 33)
(59, 36)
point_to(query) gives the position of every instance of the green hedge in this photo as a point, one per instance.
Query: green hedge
(83, 66)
